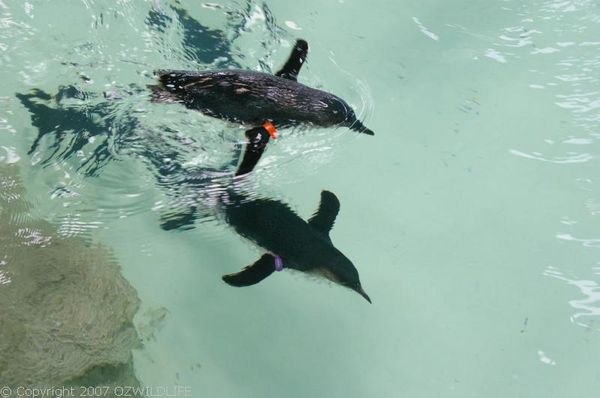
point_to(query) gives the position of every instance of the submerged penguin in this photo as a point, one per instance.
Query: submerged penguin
(257, 99)
(290, 241)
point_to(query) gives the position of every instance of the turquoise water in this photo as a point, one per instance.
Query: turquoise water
(470, 215)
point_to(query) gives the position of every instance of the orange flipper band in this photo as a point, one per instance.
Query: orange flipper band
(270, 129)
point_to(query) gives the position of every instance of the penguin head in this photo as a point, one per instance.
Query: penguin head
(345, 116)
(343, 272)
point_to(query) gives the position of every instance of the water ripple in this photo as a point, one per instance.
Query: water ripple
(424, 30)
(586, 242)
(586, 307)
(103, 151)
(572, 158)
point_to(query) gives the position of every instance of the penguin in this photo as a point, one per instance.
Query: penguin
(289, 241)
(259, 100)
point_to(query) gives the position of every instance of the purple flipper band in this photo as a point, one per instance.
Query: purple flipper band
(278, 263)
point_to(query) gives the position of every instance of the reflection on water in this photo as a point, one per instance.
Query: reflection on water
(574, 158)
(586, 308)
(574, 82)
(553, 39)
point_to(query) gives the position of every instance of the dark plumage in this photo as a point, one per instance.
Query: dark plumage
(249, 97)
(297, 244)
(257, 99)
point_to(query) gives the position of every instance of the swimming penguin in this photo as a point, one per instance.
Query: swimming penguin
(261, 100)
(290, 242)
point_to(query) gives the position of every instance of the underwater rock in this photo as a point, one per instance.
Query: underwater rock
(154, 320)
(66, 312)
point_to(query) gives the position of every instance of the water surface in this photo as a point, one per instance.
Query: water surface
(471, 215)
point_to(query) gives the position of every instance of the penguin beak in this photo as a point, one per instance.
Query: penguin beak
(361, 128)
(364, 294)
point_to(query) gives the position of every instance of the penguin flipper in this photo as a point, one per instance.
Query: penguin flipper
(258, 138)
(325, 216)
(292, 67)
(252, 274)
